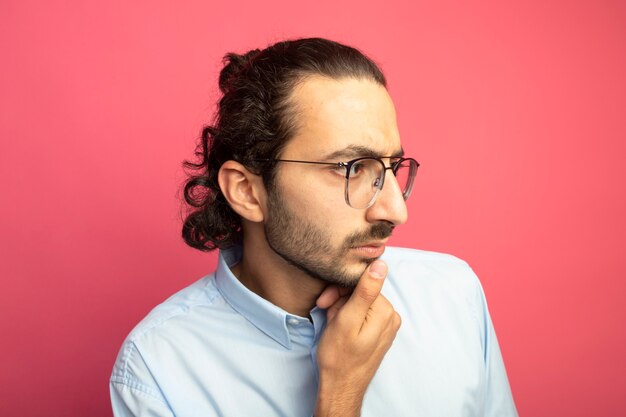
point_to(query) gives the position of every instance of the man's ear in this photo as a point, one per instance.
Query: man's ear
(243, 190)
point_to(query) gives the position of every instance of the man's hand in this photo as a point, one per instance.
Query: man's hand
(360, 330)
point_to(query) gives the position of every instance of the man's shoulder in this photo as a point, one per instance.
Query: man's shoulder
(200, 294)
(422, 267)
(167, 321)
(429, 284)
(400, 254)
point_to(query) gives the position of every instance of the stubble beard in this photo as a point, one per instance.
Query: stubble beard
(307, 247)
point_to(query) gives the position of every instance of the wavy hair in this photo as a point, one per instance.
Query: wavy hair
(254, 121)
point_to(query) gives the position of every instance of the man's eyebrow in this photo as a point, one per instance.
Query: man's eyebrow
(356, 151)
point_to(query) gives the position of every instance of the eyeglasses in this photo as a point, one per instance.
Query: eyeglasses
(365, 177)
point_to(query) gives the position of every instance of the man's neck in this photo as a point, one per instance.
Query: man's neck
(267, 274)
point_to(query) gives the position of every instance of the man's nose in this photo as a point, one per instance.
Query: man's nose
(389, 205)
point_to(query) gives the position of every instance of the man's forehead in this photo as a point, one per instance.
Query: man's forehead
(344, 118)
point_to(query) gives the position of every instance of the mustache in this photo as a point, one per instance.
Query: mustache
(380, 230)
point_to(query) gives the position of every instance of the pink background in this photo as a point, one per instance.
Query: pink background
(516, 111)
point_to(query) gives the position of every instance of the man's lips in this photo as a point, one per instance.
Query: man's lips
(371, 249)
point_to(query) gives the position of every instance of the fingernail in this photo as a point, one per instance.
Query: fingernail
(378, 269)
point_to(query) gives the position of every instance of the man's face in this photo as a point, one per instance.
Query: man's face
(309, 223)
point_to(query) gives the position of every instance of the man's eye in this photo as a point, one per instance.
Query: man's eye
(356, 169)
(339, 170)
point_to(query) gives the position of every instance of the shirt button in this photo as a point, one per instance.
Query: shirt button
(293, 321)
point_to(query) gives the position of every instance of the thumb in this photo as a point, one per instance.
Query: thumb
(368, 289)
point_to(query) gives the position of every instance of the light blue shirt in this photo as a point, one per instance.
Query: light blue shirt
(217, 349)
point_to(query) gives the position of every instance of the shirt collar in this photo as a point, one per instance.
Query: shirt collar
(267, 317)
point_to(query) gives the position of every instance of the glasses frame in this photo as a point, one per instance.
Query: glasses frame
(414, 165)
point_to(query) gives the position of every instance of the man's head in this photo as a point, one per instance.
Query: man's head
(305, 100)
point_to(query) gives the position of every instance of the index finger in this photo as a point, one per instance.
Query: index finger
(331, 294)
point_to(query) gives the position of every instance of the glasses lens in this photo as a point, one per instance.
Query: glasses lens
(364, 182)
(405, 173)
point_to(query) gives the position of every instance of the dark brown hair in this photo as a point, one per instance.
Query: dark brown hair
(254, 121)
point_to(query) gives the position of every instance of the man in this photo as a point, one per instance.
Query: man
(300, 183)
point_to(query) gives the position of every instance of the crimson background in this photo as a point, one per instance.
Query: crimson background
(515, 110)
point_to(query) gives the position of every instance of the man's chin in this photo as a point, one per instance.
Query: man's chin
(351, 278)
(353, 260)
